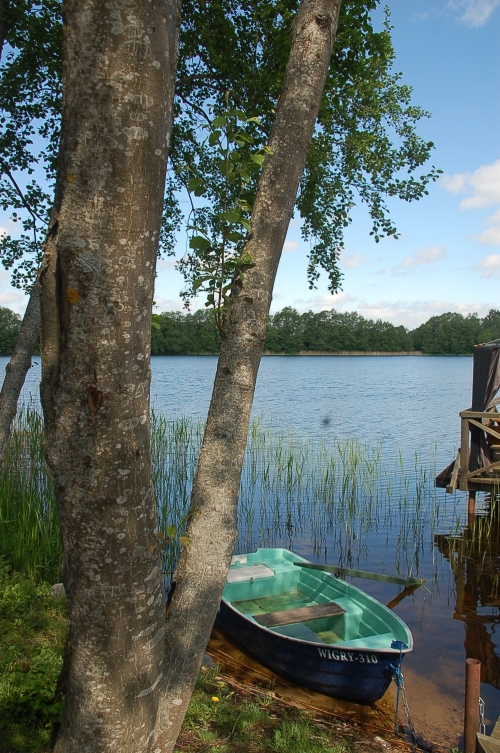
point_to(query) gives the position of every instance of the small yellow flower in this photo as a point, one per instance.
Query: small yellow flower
(221, 684)
(215, 699)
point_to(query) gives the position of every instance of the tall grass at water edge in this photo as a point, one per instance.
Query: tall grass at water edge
(29, 529)
(334, 493)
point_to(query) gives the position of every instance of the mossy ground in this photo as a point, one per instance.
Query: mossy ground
(32, 632)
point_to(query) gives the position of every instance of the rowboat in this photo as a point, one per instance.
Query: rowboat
(311, 627)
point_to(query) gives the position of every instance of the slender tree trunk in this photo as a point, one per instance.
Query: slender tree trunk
(17, 368)
(96, 292)
(4, 22)
(29, 334)
(212, 530)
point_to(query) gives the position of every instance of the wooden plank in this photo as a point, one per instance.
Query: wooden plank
(300, 614)
(484, 469)
(363, 574)
(496, 730)
(454, 476)
(487, 744)
(476, 414)
(464, 453)
(488, 429)
(479, 481)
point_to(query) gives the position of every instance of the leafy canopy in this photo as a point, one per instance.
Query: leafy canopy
(233, 55)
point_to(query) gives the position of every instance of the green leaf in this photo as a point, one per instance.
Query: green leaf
(234, 236)
(171, 531)
(184, 541)
(214, 137)
(232, 216)
(244, 138)
(197, 283)
(199, 243)
(219, 122)
(258, 158)
(197, 186)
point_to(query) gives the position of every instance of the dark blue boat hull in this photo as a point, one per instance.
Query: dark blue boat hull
(355, 674)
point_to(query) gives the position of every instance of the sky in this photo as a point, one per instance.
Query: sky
(447, 257)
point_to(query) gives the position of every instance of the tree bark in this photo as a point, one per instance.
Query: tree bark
(4, 22)
(96, 292)
(29, 334)
(17, 368)
(212, 529)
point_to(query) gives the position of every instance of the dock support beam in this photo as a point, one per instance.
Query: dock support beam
(471, 508)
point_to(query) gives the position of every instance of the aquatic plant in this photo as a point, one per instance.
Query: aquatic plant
(329, 496)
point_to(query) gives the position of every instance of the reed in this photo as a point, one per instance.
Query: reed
(333, 495)
(29, 529)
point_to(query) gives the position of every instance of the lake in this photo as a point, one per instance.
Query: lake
(385, 425)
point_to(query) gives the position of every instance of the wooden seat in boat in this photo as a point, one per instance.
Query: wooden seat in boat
(300, 614)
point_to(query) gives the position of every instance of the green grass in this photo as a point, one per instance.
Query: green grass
(223, 716)
(29, 529)
(32, 631)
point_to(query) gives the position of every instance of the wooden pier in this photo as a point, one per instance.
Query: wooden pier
(464, 475)
(477, 464)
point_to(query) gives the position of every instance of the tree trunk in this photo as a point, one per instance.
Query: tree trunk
(212, 530)
(4, 22)
(17, 368)
(96, 293)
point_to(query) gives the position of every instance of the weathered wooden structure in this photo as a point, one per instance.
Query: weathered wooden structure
(477, 464)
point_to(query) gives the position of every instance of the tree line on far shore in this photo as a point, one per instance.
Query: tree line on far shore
(177, 333)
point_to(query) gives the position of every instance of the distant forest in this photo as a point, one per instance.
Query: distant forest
(175, 334)
(289, 332)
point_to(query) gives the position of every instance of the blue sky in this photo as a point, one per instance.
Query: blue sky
(448, 255)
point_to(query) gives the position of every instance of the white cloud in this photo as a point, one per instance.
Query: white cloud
(454, 183)
(490, 237)
(11, 298)
(489, 266)
(172, 304)
(483, 186)
(474, 12)
(352, 261)
(410, 314)
(290, 246)
(428, 255)
(167, 263)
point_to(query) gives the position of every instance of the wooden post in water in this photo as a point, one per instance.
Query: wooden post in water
(471, 721)
(471, 509)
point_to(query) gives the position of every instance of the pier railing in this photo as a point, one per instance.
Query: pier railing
(466, 474)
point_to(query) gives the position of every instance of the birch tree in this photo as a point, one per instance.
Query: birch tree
(212, 530)
(96, 294)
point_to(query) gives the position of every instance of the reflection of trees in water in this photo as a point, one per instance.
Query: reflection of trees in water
(474, 558)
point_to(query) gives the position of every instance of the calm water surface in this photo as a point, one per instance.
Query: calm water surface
(408, 407)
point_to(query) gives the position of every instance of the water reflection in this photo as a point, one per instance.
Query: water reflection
(474, 558)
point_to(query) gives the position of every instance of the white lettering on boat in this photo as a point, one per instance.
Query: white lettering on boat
(334, 655)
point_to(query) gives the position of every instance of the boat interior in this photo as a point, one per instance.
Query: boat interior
(309, 605)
